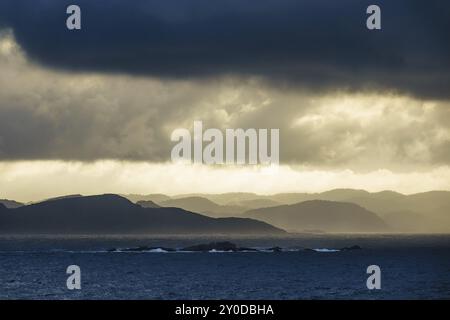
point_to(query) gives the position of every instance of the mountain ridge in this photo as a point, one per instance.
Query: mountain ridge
(113, 214)
(328, 216)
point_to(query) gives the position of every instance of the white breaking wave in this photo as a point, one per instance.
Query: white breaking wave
(326, 250)
(157, 250)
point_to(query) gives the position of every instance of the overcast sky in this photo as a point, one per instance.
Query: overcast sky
(92, 111)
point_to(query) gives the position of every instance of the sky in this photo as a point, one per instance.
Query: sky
(92, 111)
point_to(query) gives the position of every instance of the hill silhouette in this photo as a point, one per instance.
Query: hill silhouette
(155, 197)
(204, 206)
(148, 204)
(420, 212)
(255, 203)
(10, 203)
(427, 212)
(113, 214)
(328, 216)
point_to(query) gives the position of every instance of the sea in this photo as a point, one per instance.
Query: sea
(308, 266)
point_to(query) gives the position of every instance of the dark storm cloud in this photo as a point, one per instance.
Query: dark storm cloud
(61, 115)
(314, 44)
(198, 60)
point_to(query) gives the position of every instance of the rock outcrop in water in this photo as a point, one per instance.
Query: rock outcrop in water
(356, 247)
(218, 246)
(143, 249)
(226, 246)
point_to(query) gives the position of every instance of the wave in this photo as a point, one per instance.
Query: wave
(249, 250)
(186, 250)
(326, 250)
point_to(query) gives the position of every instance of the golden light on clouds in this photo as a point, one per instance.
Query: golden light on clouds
(56, 128)
(18, 180)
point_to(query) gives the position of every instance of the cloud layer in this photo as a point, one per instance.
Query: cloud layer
(47, 114)
(355, 108)
(320, 45)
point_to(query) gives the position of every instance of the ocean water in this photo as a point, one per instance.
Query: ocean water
(412, 267)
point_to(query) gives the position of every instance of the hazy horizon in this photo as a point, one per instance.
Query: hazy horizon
(200, 194)
(80, 115)
(26, 190)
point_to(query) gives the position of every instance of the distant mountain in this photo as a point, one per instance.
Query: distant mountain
(420, 212)
(156, 198)
(407, 221)
(332, 195)
(204, 206)
(10, 203)
(65, 197)
(343, 194)
(255, 203)
(222, 198)
(112, 214)
(328, 216)
(148, 204)
(58, 198)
